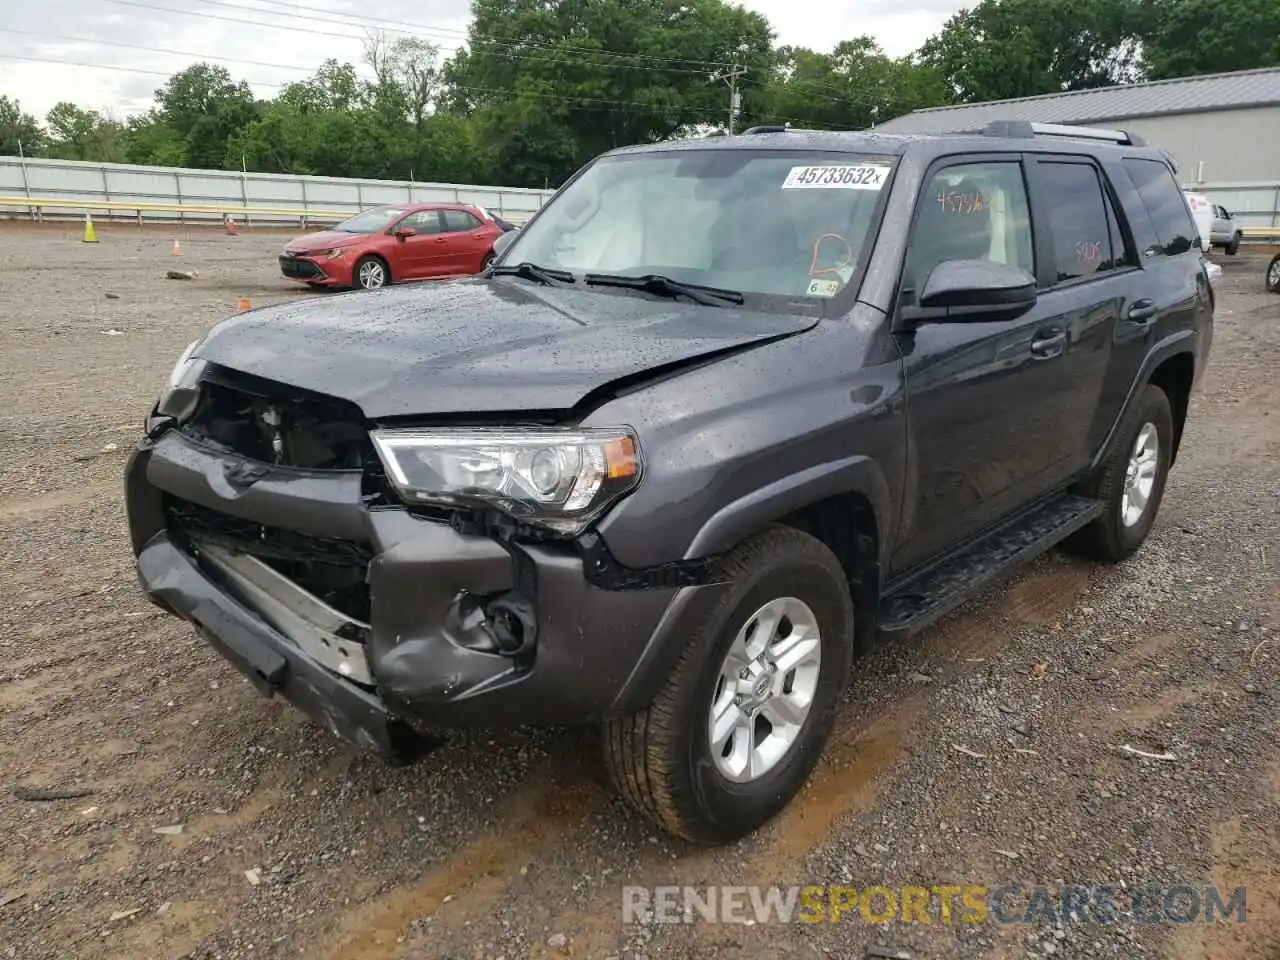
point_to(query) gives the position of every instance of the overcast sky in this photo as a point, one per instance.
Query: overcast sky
(277, 41)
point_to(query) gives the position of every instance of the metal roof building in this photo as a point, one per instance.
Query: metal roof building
(1222, 128)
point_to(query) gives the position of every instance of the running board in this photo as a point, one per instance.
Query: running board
(937, 590)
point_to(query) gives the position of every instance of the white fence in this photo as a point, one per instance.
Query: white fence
(1255, 206)
(168, 193)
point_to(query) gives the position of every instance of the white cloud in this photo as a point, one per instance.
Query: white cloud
(282, 50)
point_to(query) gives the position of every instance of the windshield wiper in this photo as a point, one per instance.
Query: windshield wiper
(659, 285)
(531, 271)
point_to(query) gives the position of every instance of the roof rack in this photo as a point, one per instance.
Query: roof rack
(1026, 129)
(765, 129)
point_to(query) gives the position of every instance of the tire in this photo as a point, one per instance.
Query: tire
(1273, 274)
(1112, 538)
(661, 759)
(370, 273)
(487, 262)
(1233, 247)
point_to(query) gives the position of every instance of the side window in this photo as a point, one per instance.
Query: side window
(973, 211)
(458, 221)
(1086, 233)
(424, 222)
(1122, 255)
(1163, 199)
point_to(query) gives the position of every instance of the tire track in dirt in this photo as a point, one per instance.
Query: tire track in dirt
(857, 766)
(541, 817)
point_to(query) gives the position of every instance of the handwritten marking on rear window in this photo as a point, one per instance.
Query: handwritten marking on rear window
(862, 177)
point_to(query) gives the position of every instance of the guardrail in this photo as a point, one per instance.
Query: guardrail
(37, 206)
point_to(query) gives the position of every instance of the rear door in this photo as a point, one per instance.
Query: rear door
(466, 240)
(1172, 288)
(1091, 280)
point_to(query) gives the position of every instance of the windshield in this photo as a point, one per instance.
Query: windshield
(371, 221)
(760, 222)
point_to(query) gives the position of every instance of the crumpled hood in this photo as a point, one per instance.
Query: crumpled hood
(323, 240)
(485, 346)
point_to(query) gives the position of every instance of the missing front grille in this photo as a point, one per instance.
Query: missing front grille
(332, 570)
(273, 423)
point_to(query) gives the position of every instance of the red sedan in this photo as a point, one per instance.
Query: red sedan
(391, 244)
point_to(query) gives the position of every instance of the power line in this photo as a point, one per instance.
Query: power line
(312, 18)
(508, 94)
(175, 53)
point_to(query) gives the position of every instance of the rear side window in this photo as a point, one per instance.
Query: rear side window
(1163, 199)
(459, 220)
(1086, 236)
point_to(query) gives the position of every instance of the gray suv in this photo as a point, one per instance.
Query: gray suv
(723, 412)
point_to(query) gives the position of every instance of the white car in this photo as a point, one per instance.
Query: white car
(1202, 213)
(1225, 232)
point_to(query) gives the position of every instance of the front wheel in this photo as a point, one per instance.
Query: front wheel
(1233, 247)
(1131, 482)
(370, 273)
(739, 724)
(1273, 274)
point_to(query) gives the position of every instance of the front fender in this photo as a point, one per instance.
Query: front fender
(739, 519)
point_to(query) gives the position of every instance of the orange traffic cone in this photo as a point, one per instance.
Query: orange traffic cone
(231, 226)
(243, 304)
(177, 248)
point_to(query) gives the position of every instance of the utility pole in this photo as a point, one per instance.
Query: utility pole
(730, 76)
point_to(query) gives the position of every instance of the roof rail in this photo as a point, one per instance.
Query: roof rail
(765, 129)
(1027, 129)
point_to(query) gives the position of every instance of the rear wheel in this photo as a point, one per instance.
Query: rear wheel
(1273, 274)
(487, 261)
(370, 273)
(1234, 246)
(1131, 482)
(743, 717)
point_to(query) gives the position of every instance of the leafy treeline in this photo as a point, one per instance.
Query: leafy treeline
(544, 85)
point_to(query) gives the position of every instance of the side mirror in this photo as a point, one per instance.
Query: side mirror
(502, 241)
(404, 233)
(974, 290)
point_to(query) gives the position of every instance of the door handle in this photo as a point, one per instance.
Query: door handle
(1048, 344)
(1141, 311)
(442, 239)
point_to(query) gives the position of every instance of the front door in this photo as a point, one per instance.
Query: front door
(992, 413)
(421, 255)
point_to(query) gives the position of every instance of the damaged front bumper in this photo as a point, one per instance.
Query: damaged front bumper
(436, 628)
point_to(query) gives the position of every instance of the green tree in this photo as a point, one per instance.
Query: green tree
(147, 139)
(18, 128)
(1001, 49)
(204, 107)
(555, 82)
(853, 87)
(1187, 37)
(79, 134)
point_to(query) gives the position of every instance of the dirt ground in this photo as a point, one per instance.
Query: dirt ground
(987, 751)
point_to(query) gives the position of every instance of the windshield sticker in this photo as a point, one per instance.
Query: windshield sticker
(823, 288)
(862, 177)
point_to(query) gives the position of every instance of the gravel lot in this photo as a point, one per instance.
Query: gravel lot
(507, 845)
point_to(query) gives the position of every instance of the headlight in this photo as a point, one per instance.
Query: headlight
(332, 254)
(182, 391)
(558, 479)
